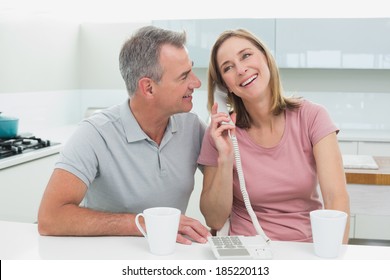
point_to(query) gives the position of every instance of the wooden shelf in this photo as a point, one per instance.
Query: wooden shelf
(379, 176)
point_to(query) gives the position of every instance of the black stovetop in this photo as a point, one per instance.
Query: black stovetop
(20, 144)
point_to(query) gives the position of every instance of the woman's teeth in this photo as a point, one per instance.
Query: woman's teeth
(249, 80)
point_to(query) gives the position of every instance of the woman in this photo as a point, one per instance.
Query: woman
(288, 146)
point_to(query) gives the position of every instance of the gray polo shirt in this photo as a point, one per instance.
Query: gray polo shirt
(125, 170)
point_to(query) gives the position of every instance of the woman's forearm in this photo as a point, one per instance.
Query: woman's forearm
(217, 195)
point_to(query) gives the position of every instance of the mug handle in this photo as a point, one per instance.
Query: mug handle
(139, 225)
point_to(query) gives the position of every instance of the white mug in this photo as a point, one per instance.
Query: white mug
(162, 225)
(328, 227)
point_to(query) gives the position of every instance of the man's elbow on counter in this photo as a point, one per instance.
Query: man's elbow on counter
(44, 226)
(216, 226)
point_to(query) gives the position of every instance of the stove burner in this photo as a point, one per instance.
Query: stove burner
(17, 145)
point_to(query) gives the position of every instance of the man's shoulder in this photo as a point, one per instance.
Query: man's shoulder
(188, 117)
(189, 123)
(108, 115)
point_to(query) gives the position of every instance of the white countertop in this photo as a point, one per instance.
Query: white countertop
(21, 241)
(28, 155)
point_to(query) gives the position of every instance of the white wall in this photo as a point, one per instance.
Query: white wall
(52, 70)
(38, 53)
(100, 44)
(38, 110)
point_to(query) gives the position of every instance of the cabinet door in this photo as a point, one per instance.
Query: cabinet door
(369, 204)
(374, 148)
(352, 226)
(372, 227)
(22, 187)
(333, 43)
(202, 33)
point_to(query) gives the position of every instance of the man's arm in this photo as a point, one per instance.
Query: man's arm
(60, 214)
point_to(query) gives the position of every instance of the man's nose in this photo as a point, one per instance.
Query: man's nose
(195, 82)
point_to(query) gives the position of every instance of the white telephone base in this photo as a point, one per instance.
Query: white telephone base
(240, 247)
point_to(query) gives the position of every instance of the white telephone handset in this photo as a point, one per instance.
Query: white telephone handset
(220, 97)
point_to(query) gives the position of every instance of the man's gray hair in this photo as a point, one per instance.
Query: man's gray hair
(139, 56)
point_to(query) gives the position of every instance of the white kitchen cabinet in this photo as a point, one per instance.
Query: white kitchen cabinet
(370, 210)
(202, 33)
(374, 148)
(372, 227)
(330, 43)
(359, 43)
(21, 189)
(352, 226)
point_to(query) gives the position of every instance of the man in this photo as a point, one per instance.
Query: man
(132, 156)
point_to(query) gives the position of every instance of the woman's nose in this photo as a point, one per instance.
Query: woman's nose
(241, 69)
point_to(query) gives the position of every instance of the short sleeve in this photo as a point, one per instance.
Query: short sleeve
(319, 122)
(79, 156)
(208, 154)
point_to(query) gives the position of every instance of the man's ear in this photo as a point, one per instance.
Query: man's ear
(146, 86)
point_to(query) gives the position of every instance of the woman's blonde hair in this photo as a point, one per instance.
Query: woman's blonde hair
(278, 102)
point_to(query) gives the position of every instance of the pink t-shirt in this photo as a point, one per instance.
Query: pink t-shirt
(281, 181)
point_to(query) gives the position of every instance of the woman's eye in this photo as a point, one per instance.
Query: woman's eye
(246, 55)
(227, 68)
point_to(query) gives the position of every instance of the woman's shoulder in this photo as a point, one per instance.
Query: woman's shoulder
(307, 106)
(308, 111)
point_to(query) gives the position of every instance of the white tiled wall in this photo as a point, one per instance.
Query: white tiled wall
(349, 110)
(40, 110)
(50, 109)
(355, 110)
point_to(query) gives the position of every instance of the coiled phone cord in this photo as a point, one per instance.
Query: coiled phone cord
(244, 192)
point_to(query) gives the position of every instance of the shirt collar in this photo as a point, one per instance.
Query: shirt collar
(132, 129)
